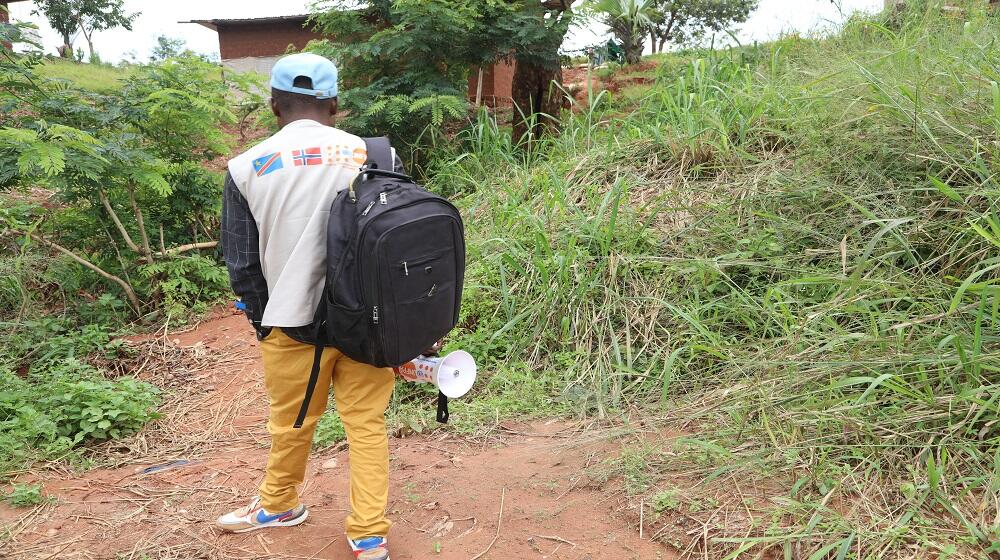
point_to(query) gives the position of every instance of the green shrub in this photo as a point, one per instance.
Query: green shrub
(53, 400)
(67, 404)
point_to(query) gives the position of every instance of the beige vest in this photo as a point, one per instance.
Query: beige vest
(289, 181)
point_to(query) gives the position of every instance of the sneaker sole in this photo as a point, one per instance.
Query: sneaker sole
(386, 558)
(290, 523)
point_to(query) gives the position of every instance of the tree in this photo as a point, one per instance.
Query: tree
(679, 21)
(136, 200)
(405, 65)
(166, 47)
(629, 20)
(68, 17)
(537, 93)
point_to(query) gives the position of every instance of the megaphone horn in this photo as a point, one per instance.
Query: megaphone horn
(453, 374)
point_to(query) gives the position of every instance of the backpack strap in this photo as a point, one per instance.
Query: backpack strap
(442, 412)
(314, 373)
(380, 153)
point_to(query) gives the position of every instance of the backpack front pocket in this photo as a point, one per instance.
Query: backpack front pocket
(414, 278)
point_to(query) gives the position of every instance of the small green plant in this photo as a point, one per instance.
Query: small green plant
(409, 490)
(329, 431)
(24, 495)
(667, 500)
(634, 464)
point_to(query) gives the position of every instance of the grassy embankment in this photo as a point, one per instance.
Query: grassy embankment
(93, 77)
(791, 251)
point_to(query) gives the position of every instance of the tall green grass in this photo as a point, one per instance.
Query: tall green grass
(794, 248)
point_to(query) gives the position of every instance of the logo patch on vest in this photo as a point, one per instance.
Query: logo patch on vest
(343, 154)
(268, 164)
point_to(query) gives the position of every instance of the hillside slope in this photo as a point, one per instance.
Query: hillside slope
(792, 248)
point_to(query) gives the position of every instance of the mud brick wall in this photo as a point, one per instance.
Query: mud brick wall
(498, 81)
(262, 39)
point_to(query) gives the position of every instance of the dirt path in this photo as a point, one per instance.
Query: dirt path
(446, 490)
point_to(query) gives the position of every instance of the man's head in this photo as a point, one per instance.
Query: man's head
(304, 86)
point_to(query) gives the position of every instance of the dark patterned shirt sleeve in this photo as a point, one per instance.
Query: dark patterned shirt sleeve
(241, 249)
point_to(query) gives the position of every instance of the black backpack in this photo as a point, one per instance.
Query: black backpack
(395, 269)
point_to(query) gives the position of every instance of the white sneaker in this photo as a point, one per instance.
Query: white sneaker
(253, 517)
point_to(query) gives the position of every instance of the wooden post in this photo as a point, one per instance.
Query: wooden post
(479, 88)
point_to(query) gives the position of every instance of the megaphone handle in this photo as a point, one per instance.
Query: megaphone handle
(442, 413)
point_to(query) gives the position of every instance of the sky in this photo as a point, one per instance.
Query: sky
(772, 19)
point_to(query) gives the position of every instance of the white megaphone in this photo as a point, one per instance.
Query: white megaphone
(453, 374)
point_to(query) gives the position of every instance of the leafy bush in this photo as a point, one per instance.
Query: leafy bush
(53, 400)
(134, 195)
(65, 405)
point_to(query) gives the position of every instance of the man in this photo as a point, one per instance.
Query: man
(275, 210)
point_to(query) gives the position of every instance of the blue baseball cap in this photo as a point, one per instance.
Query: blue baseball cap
(322, 71)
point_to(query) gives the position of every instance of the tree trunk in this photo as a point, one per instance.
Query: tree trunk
(66, 50)
(90, 44)
(537, 100)
(126, 287)
(633, 49)
(652, 41)
(536, 91)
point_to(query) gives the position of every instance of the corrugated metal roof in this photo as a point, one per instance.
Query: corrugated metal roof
(214, 24)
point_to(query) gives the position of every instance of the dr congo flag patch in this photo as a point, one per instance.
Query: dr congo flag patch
(267, 164)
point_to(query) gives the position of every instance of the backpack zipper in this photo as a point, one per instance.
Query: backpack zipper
(383, 198)
(369, 208)
(375, 314)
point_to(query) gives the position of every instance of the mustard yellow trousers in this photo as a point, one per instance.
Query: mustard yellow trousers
(362, 393)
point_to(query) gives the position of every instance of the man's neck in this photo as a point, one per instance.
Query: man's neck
(326, 119)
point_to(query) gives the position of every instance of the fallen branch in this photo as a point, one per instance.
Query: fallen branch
(189, 247)
(503, 493)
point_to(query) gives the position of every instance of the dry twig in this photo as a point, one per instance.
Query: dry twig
(503, 494)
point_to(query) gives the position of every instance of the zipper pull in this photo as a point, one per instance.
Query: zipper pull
(369, 208)
(375, 314)
(382, 198)
(406, 269)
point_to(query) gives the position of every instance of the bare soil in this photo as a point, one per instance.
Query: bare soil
(449, 492)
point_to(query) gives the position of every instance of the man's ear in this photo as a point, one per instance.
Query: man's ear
(333, 106)
(274, 108)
